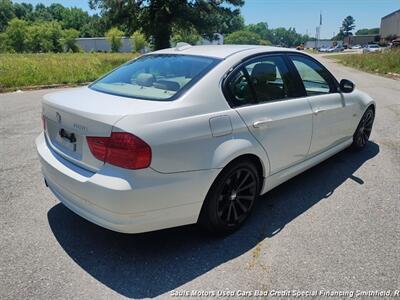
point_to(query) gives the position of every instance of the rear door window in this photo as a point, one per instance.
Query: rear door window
(261, 79)
(270, 78)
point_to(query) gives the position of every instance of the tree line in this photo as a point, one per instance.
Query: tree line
(40, 28)
(261, 34)
(156, 23)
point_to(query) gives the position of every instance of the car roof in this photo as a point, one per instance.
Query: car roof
(218, 51)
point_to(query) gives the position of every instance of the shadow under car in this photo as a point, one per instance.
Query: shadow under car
(150, 264)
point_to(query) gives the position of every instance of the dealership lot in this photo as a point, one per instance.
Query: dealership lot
(335, 227)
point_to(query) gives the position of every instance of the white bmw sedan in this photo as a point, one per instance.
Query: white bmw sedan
(195, 134)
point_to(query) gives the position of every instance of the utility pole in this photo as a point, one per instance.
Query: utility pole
(318, 31)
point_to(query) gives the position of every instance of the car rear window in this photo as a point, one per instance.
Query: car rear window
(155, 77)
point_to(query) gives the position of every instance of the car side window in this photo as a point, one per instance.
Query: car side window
(313, 75)
(269, 78)
(260, 80)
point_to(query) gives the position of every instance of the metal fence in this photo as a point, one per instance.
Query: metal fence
(100, 44)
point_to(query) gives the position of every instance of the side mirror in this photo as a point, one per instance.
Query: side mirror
(346, 86)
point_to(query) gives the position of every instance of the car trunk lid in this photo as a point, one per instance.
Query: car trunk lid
(71, 116)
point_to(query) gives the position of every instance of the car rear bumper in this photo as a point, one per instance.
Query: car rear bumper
(129, 201)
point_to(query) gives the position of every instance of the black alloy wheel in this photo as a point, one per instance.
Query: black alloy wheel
(237, 196)
(231, 198)
(361, 136)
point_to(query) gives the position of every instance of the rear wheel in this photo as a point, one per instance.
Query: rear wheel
(363, 131)
(231, 198)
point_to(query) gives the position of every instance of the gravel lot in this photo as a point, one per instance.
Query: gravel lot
(334, 228)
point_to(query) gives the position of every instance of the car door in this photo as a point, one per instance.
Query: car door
(264, 93)
(331, 115)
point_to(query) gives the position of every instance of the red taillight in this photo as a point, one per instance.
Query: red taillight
(121, 149)
(98, 146)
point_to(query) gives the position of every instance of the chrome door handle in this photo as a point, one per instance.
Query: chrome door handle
(318, 110)
(261, 123)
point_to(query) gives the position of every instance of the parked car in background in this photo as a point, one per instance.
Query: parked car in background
(323, 49)
(335, 49)
(195, 134)
(395, 43)
(372, 48)
(356, 47)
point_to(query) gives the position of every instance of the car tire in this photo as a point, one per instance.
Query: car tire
(231, 198)
(363, 131)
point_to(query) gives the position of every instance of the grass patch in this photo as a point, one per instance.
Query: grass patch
(387, 62)
(28, 70)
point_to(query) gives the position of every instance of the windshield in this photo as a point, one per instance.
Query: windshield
(155, 77)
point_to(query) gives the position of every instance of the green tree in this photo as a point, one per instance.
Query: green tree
(187, 35)
(243, 37)
(44, 37)
(339, 36)
(23, 10)
(55, 34)
(17, 34)
(279, 36)
(57, 11)
(69, 40)
(348, 25)
(138, 41)
(114, 37)
(157, 18)
(41, 13)
(74, 18)
(261, 29)
(6, 13)
(95, 27)
(37, 39)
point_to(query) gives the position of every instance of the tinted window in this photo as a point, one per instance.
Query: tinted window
(155, 77)
(240, 89)
(261, 80)
(269, 78)
(315, 78)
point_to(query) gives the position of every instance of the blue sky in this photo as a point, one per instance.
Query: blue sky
(301, 14)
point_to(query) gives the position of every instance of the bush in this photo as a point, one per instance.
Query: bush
(44, 37)
(243, 37)
(190, 36)
(69, 40)
(17, 34)
(54, 34)
(38, 39)
(138, 41)
(4, 45)
(114, 37)
(265, 43)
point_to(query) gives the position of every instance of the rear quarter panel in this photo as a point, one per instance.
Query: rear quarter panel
(187, 143)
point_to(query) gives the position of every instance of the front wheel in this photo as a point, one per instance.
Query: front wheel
(231, 198)
(363, 131)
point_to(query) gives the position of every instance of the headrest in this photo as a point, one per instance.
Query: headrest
(145, 79)
(167, 85)
(264, 72)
